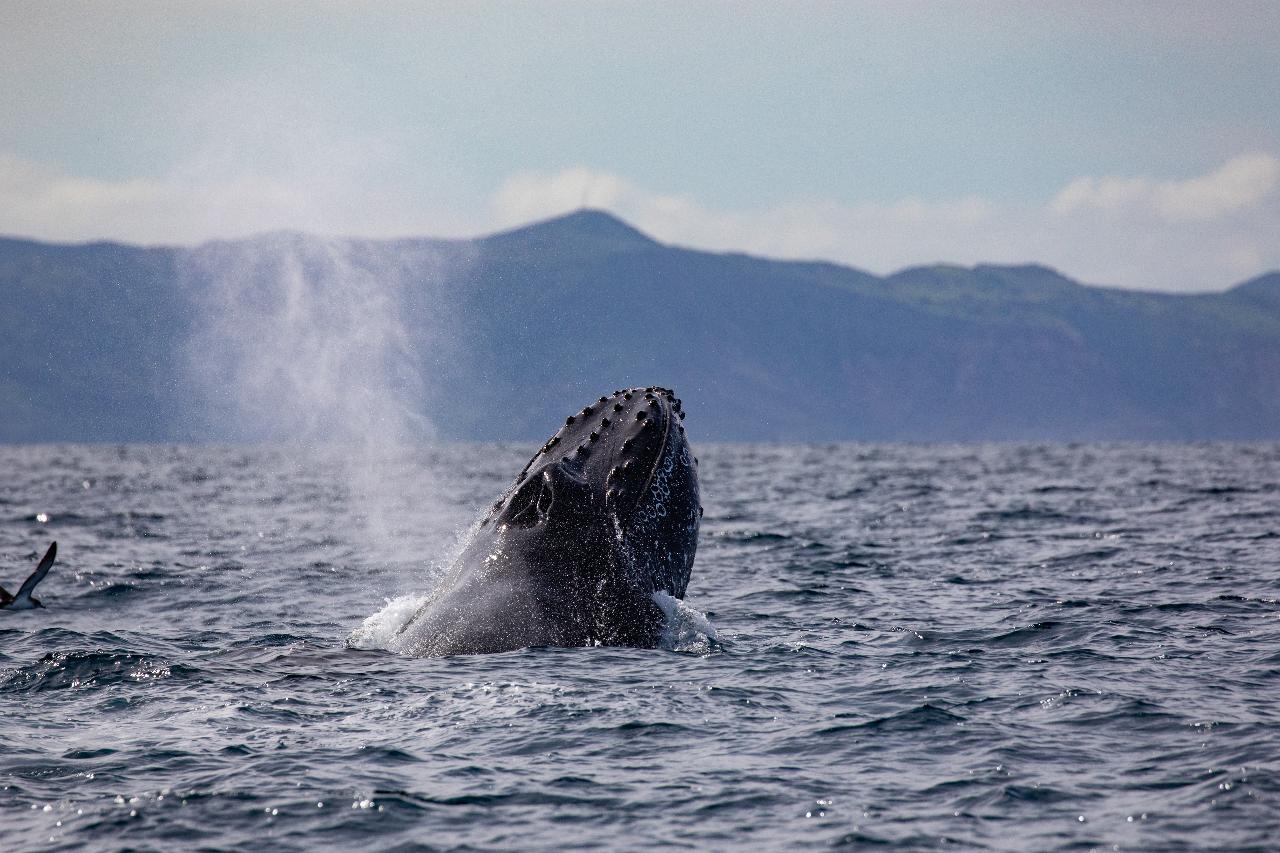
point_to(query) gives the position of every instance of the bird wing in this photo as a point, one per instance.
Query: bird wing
(29, 585)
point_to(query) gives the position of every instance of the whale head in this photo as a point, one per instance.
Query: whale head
(603, 516)
(620, 467)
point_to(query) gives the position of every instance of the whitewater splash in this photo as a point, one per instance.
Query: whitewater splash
(380, 630)
(686, 630)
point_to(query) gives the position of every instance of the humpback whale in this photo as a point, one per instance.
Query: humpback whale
(602, 517)
(23, 600)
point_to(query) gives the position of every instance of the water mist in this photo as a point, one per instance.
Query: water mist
(316, 346)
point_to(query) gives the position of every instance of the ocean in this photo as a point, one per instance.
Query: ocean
(1009, 647)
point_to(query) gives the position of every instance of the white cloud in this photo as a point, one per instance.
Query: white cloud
(530, 195)
(199, 203)
(1240, 183)
(40, 202)
(1204, 233)
(814, 228)
(254, 159)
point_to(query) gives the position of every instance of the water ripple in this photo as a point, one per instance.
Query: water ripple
(986, 647)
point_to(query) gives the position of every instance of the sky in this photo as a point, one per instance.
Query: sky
(1127, 144)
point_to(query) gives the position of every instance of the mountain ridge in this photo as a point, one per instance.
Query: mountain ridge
(554, 227)
(493, 337)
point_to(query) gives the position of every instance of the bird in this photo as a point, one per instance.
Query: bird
(23, 600)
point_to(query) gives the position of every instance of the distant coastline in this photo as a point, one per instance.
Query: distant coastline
(289, 335)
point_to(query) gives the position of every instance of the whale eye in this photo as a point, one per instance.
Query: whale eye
(528, 504)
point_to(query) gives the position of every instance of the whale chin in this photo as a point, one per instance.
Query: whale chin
(603, 516)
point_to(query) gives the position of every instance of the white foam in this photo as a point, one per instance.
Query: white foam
(379, 630)
(687, 629)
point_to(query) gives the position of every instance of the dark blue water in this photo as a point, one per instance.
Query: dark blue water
(1012, 647)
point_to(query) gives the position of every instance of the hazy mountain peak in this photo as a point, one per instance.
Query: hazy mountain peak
(1267, 284)
(1037, 271)
(581, 225)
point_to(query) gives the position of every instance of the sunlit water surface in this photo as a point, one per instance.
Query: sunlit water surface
(1012, 647)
